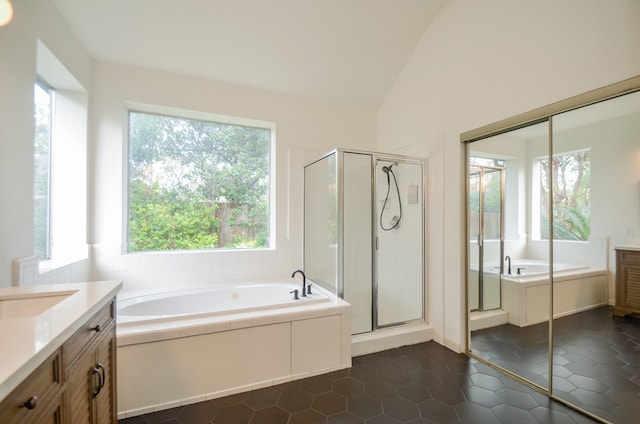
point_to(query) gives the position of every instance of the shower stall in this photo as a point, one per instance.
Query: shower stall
(364, 234)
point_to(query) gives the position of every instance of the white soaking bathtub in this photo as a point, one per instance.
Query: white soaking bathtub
(213, 301)
(576, 288)
(187, 346)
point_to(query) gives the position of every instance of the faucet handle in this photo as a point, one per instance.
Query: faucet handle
(309, 288)
(295, 294)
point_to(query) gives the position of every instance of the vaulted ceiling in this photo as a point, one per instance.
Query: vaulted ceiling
(348, 51)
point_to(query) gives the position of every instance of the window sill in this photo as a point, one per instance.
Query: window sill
(54, 264)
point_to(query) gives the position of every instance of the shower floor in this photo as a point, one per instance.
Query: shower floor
(596, 359)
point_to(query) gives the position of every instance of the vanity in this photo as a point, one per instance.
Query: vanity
(627, 281)
(58, 353)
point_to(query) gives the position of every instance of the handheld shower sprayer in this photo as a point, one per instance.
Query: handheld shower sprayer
(395, 221)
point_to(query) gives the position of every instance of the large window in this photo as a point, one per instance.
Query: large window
(197, 184)
(569, 177)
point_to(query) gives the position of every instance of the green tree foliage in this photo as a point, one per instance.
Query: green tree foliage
(197, 184)
(571, 184)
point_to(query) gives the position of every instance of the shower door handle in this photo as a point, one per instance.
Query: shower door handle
(479, 240)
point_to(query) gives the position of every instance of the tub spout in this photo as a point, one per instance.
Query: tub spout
(304, 281)
(508, 259)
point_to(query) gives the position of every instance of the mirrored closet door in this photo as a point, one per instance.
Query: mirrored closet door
(508, 301)
(569, 235)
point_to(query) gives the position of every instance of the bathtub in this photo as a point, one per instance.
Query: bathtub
(576, 288)
(213, 301)
(180, 347)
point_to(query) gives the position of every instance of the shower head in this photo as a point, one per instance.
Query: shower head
(386, 169)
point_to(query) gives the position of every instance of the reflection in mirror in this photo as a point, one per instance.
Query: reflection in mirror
(596, 210)
(508, 261)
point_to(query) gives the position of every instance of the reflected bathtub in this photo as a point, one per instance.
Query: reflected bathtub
(536, 267)
(576, 288)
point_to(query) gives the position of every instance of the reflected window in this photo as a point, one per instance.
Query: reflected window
(569, 177)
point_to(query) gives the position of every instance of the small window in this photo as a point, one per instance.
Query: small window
(569, 178)
(43, 101)
(60, 164)
(197, 184)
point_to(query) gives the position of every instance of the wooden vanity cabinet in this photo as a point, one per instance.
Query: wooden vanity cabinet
(89, 357)
(75, 385)
(627, 282)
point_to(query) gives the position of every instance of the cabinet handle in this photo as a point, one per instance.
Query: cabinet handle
(99, 369)
(30, 403)
(97, 328)
(104, 375)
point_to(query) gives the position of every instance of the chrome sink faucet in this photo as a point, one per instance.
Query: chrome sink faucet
(508, 259)
(304, 281)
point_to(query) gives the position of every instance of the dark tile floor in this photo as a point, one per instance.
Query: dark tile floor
(424, 383)
(596, 360)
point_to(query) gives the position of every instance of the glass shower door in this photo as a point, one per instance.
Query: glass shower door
(485, 230)
(492, 237)
(399, 247)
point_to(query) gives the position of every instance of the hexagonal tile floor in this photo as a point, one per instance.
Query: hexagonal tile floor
(595, 355)
(423, 383)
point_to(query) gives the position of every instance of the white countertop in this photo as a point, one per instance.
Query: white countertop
(27, 342)
(636, 248)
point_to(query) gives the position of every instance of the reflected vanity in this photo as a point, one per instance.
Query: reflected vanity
(551, 195)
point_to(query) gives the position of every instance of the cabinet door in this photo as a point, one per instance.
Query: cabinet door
(627, 283)
(104, 401)
(90, 385)
(80, 386)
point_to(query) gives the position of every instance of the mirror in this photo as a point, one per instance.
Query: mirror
(509, 299)
(568, 200)
(596, 159)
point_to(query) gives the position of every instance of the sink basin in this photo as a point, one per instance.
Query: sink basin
(30, 304)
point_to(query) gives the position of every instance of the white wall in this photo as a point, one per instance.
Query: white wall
(480, 62)
(305, 129)
(33, 19)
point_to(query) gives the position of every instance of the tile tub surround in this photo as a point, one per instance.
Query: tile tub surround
(28, 341)
(422, 383)
(170, 363)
